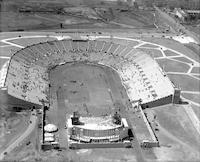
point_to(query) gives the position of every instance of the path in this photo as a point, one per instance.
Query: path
(19, 140)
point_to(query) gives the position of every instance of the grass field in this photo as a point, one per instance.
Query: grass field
(196, 70)
(192, 97)
(170, 53)
(169, 65)
(152, 52)
(183, 80)
(50, 14)
(176, 134)
(183, 59)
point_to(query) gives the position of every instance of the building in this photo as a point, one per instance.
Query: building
(181, 14)
(97, 131)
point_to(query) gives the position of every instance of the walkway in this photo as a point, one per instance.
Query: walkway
(17, 142)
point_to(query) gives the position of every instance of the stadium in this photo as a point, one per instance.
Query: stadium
(94, 76)
(106, 82)
(28, 79)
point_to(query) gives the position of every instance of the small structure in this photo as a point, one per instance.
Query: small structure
(50, 140)
(48, 135)
(181, 14)
(50, 128)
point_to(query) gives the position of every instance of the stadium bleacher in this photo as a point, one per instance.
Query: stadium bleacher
(28, 77)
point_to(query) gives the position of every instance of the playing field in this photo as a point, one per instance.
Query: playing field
(87, 88)
(90, 90)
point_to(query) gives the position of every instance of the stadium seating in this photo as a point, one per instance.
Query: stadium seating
(28, 79)
(29, 83)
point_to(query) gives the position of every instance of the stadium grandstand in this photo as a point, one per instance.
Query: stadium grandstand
(26, 77)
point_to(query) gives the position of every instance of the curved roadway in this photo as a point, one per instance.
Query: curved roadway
(18, 141)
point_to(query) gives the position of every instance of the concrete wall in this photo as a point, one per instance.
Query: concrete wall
(100, 145)
(159, 102)
(14, 104)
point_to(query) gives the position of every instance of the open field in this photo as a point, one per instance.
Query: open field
(175, 131)
(196, 70)
(168, 65)
(152, 52)
(183, 80)
(192, 97)
(37, 15)
(14, 126)
(196, 110)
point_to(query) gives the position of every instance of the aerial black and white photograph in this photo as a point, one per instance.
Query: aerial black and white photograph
(99, 81)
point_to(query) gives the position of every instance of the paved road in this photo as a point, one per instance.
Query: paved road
(135, 143)
(19, 140)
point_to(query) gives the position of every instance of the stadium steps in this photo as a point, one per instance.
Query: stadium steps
(99, 46)
(113, 48)
(119, 50)
(106, 47)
